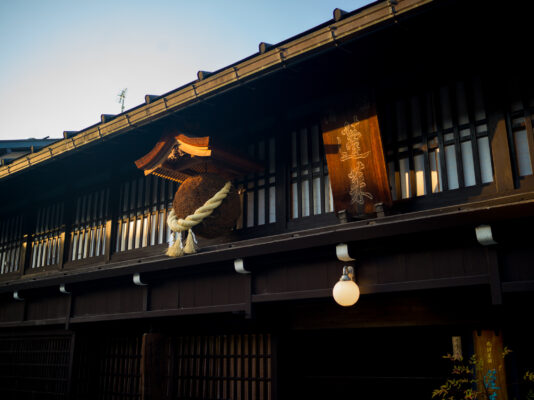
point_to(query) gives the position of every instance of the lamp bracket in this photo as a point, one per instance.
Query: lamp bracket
(16, 296)
(239, 266)
(63, 289)
(348, 273)
(342, 252)
(484, 235)
(137, 280)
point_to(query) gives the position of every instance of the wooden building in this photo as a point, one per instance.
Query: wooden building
(437, 219)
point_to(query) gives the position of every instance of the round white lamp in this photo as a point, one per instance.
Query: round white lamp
(346, 293)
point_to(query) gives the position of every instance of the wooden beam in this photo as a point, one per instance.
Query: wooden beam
(498, 135)
(390, 226)
(154, 356)
(494, 275)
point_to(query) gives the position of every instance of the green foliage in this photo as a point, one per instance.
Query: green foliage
(529, 381)
(460, 383)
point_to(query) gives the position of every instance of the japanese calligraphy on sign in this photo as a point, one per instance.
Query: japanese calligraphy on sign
(354, 152)
(491, 374)
(355, 158)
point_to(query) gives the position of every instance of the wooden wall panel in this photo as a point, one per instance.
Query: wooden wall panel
(452, 306)
(165, 295)
(10, 309)
(46, 307)
(516, 264)
(297, 274)
(210, 289)
(108, 300)
(373, 269)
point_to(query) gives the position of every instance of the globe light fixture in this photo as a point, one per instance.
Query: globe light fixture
(346, 293)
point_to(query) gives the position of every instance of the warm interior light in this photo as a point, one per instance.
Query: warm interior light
(346, 293)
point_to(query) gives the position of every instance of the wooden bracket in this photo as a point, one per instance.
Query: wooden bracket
(484, 235)
(63, 289)
(239, 266)
(137, 280)
(342, 253)
(16, 296)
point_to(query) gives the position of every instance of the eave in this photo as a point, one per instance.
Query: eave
(277, 57)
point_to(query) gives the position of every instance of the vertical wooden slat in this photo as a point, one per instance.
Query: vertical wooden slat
(410, 143)
(470, 102)
(503, 168)
(453, 104)
(424, 136)
(298, 177)
(528, 127)
(439, 126)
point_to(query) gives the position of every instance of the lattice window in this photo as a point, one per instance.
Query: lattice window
(34, 367)
(310, 192)
(88, 236)
(222, 367)
(437, 140)
(11, 237)
(107, 367)
(259, 195)
(47, 236)
(144, 203)
(521, 136)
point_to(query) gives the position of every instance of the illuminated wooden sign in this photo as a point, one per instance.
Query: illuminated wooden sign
(491, 373)
(355, 161)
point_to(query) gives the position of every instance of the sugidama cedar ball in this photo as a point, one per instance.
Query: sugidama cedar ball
(194, 192)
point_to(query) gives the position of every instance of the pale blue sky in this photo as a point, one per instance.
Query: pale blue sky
(63, 62)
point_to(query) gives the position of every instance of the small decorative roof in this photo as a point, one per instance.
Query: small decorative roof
(178, 157)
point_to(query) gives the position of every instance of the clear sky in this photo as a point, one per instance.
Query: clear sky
(63, 62)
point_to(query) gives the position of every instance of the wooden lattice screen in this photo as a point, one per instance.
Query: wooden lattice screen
(47, 236)
(107, 367)
(437, 140)
(222, 367)
(143, 207)
(11, 237)
(88, 232)
(35, 367)
(259, 188)
(310, 192)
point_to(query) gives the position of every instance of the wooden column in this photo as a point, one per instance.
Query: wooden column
(355, 157)
(491, 373)
(502, 164)
(154, 366)
(68, 219)
(112, 217)
(503, 168)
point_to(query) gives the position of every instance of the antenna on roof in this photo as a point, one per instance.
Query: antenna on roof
(122, 97)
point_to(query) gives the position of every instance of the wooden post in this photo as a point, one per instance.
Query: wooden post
(154, 366)
(68, 219)
(498, 134)
(112, 218)
(355, 159)
(491, 373)
(25, 254)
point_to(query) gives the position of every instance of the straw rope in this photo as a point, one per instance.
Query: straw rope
(179, 225)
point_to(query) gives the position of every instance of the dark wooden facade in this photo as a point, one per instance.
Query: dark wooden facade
(454, 108)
